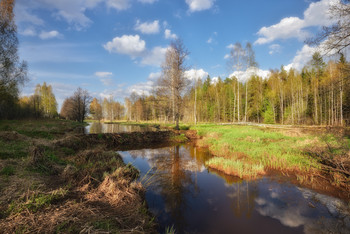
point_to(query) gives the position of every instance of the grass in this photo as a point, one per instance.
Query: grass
(13, 149)
(39, 157)
(236, 167)
(8, 171)
(179, 138)
(37, 201)
(249, 150)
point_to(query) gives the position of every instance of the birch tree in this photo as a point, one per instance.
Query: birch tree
(173, 80)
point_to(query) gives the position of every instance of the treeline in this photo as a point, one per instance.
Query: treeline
(319, 94)
(108, 109)
(41, 104)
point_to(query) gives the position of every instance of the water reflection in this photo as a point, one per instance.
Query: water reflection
(96, 127)
(194, 199)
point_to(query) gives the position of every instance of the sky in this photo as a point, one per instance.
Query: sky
(116, 47)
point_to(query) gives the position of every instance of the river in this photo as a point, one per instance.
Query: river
(184, 194)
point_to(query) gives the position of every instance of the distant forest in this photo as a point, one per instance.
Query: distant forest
(317, 95)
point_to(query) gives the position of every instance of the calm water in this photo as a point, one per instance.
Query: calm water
(193, 199)
(96, 127)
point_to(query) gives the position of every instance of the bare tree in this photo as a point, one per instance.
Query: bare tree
(76, 107)
(173, 80)
(336, 37)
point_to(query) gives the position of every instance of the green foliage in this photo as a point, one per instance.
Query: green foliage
(269, 115)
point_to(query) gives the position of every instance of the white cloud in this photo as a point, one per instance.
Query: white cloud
(23, 14)
(169, 35)
(293, 27)
(118, 4)
(230, 46)
(227, 56)
(243, 76)
(147, 27)
(210, 40)
(142, 88)
(148, 1)
(199, 5)
(214, 80)
(196, 74)
(155, 57)
(103, 74)
(274, 48)
(28, 32)
(126, 44)
(154, 76)
(72, 11)
(301, 58)
(48, 35)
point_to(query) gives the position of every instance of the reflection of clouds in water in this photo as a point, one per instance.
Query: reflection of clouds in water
(296, 212)
(288, 216)
(335, 206)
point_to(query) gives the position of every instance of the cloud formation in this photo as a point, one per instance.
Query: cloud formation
(154, 57)
(49, 35)
(244, 76)
(130, 45)
(147, 27)
(196, 74)
(71, 11)
(294, 27)
(148, 1)
(169, 35)
(199, 5)
(103, 74)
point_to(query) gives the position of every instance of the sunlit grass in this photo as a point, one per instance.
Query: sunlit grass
(250, 148)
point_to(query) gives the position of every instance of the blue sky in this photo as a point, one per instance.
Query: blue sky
(115, 47)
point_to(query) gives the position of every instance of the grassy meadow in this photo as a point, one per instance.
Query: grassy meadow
(252, 151)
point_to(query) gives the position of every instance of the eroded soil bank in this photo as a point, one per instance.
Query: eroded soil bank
(55, 179)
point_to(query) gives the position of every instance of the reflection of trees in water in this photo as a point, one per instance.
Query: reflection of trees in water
(96, 127)
(173, 167)
(243, 193)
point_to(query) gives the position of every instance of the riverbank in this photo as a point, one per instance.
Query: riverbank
(314, 157)
(55, 179)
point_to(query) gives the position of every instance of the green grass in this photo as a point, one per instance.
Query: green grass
(236, 167)
(179, 138)
(13, 149)
(40, 128)
(37, 201)
(256, 146)
(7, 171)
